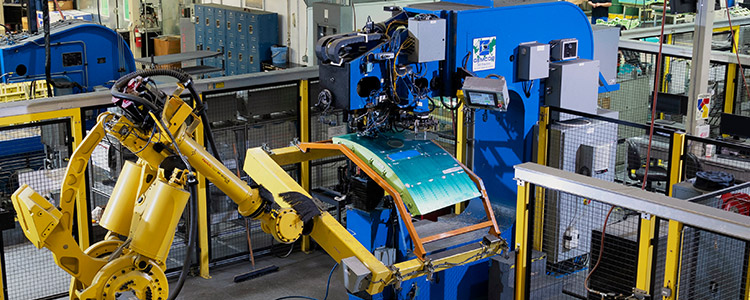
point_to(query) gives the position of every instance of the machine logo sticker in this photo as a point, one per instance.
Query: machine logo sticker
(484, 54)
(704, 104)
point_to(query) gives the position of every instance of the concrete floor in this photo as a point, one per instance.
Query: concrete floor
(299, 275)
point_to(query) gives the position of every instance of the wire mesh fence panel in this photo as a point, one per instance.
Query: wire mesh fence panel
(324, 126)
(742, 102)
(259, 117)
(35, 155)
(659, 255)
(326, 123)
(445, 126)
(721, 41)
(228, 229)
(103, 170)
(610, 150)
(703, 155)
(636, 78)
(712, 265)
(583, 248)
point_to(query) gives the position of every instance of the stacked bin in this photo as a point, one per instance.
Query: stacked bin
(244, 36)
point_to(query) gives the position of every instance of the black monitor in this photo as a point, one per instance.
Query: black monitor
(734, 125)
(671, 104)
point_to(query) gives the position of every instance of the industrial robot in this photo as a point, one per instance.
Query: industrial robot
(151, 194)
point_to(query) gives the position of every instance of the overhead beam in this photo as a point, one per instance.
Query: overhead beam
(681, 51)
(640, 33)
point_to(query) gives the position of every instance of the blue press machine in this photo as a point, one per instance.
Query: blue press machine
(502, 139)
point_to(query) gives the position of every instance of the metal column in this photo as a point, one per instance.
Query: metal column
(704, 20)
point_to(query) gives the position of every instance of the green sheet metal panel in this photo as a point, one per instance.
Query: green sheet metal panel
(427, 177)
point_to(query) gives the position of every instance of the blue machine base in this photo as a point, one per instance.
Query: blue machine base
(374, 230)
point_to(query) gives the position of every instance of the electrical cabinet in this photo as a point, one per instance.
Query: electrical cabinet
(533, 61)
(429, 42)
(585, 147)
(574, 84)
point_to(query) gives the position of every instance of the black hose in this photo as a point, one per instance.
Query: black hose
(123, 81)
(204, 119)
(47, 54)
(176, 73)
(192, 232)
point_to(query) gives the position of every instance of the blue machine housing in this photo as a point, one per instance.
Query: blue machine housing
(86, 53)
(505, 139)
(501, 139)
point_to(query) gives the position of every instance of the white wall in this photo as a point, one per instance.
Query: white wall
(292, 25)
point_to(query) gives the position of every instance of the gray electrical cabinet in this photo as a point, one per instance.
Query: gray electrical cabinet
(331, 18)
(429, 40)
(533, 61)
(606, 41)
(187, 38)
(574, 85)
(585, 147)
(502, 277)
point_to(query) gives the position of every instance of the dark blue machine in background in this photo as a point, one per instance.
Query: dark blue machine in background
(85, 53)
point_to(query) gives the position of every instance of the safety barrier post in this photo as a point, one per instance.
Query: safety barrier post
(203, 242)
(731, 80)
(522, 235)
(541, 158)
(674, 237)
(667, 65)
(460, 142)
(645, 252)
(304, 132)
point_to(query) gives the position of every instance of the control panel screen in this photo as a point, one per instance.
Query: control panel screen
(481, 99)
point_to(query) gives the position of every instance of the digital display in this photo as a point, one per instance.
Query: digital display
(482, 99)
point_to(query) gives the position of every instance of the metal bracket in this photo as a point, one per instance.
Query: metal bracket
(430, 269)
(640, 294)
(397, 278)
(367, 37)
(519, 182)
(646, 216)
(666, 291)
(295, 143)
(266, 148)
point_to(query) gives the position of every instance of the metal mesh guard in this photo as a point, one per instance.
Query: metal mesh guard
(427, 177)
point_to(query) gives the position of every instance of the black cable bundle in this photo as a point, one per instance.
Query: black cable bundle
(47, 55)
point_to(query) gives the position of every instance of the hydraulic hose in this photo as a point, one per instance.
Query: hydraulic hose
(192, 232)
(47, 54)
(204, 119)
(123, 81)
